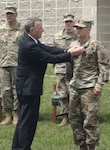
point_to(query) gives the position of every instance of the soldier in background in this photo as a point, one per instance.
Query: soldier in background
(90, 74)
(8, 63)
(63, 39)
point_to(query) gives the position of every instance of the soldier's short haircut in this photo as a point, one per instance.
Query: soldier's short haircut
(31, 23)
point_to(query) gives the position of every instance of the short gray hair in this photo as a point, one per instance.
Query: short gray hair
(31, 23)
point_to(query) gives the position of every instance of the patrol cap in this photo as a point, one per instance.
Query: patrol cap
(10, 9)
(83, 23)
(68, 17)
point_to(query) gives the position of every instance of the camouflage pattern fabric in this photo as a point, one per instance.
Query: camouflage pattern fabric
(8, 91)
(62, 90)
(9, 45)
(91, 69)
(63, 39)
(83, 116)
(8, 63)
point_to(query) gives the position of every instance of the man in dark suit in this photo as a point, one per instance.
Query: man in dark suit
(32, 62)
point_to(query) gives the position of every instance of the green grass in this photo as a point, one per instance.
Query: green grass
(49, 136)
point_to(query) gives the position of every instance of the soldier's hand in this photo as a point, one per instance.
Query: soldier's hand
(76, 50)
(96, 91)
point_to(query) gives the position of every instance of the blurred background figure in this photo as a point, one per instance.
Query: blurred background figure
(9, 50)
(63, 39)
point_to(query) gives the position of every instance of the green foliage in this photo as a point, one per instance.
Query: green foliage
(49, 136)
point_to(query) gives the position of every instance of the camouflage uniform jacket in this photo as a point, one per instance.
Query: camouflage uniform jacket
(62, 39)
(9, 45)
(91, 68)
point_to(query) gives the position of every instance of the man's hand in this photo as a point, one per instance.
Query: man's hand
(96, 91)
(76, 50)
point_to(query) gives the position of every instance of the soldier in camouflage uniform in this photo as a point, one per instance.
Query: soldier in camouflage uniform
(63, 39)
(8, 63)
(90, 73)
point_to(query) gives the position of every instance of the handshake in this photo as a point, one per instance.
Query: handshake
(76, 50)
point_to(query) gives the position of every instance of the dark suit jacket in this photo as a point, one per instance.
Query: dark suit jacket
(32, 63)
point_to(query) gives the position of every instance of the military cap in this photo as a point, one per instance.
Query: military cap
(68, 17)
(83, 23)
(10, 9)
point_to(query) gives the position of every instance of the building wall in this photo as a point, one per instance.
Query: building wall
(89, 10)
(103, 22)
(52, 11)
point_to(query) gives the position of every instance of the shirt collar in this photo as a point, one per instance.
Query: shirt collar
(33, 39)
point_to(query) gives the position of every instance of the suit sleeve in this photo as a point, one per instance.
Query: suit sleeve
(45, 54)
(52, 49)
